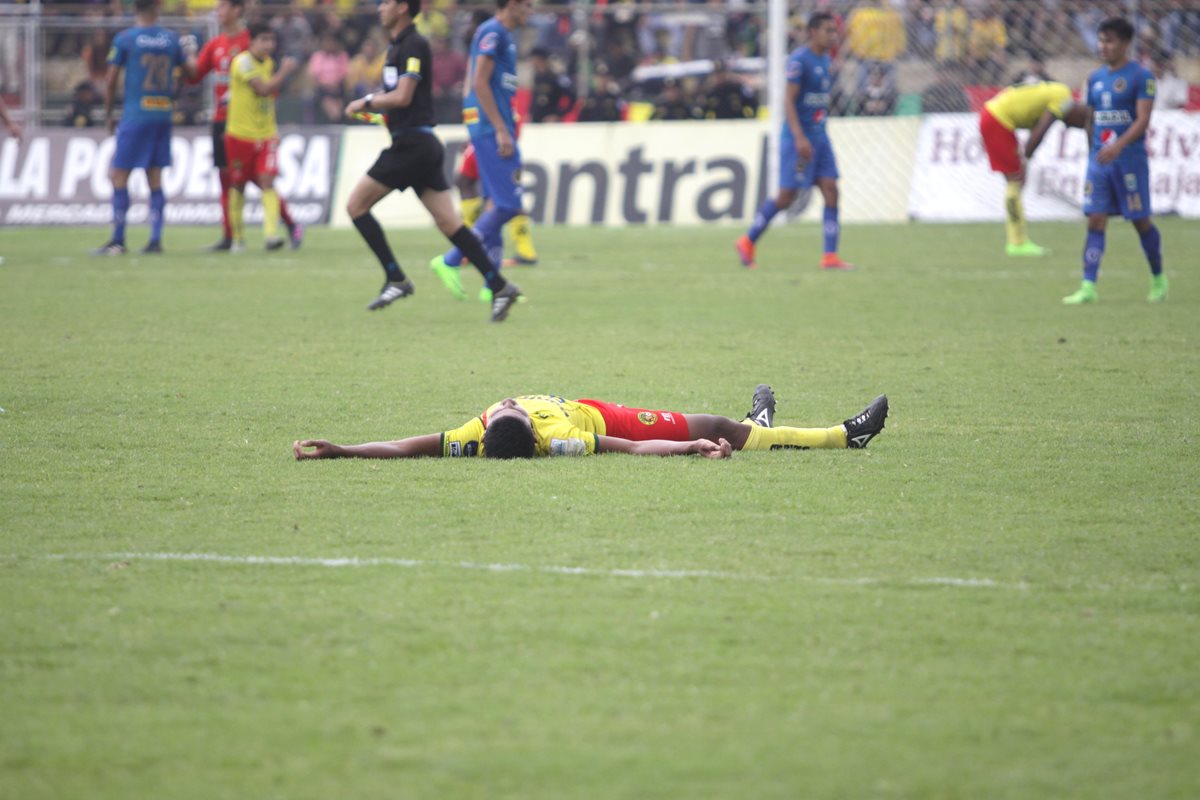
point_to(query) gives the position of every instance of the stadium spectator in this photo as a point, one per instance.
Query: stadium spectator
(673, 105)
(708, 35)
(604, 103)
(553, 93)
(951, 23)
(328, 68)
(293, 33)
(533, 426)
(365, 69)
(84, 100)
(449, 72)
(10, 124)
(877, 99)
(727, 96)
(95, 55)
(1172, 90)
(875, 36)
(661, 33)
(986, 46)
(945, 94)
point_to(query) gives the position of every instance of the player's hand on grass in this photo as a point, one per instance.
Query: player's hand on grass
(321, 449)
(504, 143)
(711, 449)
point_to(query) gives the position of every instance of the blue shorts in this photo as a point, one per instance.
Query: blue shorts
(1118, 188)
(500, 176)
(794, 175)
(143, 145)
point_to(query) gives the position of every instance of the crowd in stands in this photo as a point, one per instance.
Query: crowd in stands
(585, 61)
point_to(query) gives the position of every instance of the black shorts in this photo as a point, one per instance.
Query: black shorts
(413, 161)
(218, 133)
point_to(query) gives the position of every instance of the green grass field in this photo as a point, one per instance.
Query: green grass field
(998, 599)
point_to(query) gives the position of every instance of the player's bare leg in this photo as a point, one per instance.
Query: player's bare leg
(366, 193)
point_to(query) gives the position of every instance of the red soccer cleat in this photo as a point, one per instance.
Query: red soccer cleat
(832, 261)
(745, 251)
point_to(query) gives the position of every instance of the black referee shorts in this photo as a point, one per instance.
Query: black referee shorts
(413, 161)
(218, 134)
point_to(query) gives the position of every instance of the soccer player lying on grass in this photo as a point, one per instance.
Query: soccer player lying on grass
(545, 425)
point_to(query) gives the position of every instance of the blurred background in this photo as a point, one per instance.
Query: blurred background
(622, 60)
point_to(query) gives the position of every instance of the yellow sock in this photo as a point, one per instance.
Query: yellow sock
(1014, 213)
(237, 204)
(803, 438)
(523, 238)
(270, 203)
(472, 210)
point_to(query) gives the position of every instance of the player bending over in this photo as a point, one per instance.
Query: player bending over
(546, 425)
(1025, 106)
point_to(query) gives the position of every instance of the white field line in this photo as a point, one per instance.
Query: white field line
(352, 561)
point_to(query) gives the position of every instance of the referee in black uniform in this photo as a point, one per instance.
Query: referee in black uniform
(413, 161)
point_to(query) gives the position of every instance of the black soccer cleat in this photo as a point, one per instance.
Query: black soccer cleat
(504, 300)
(390, 293)
(866, 425)
(275, 244)
(223, 246)
(151, 249)
(762, 409)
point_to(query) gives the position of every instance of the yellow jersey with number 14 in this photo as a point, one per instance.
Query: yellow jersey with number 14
(1020, 107)
(560, 428)
(250, 117)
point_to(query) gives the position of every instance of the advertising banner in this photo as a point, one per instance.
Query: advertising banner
(952, 181)
(60, 177)
(672, 173)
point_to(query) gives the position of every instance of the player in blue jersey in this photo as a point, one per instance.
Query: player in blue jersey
(488, 115)
(1121, 95)
(805, 153)
(149, 54)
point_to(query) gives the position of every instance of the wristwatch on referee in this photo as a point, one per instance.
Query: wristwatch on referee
(367, 98)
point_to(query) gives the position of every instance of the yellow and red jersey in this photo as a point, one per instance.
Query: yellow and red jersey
(560, 428)
(216, 57)
(250, 116)
(1022, 106)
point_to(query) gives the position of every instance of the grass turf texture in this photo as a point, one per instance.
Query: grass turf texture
(1041, 458)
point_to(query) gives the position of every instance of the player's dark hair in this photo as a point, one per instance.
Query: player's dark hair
(508, 437)
(257, 29)
(142, 6)
(414, 7)
(818, 19)
(1118, 27)
(237, 4)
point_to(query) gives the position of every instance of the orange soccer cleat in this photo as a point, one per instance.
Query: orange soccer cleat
(745, 251)
(832, 261)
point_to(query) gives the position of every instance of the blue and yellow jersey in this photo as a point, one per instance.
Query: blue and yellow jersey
(560, 427)
(811, 73)
(250, 116)
(493, 40)
(149, 55)
(1021, 106)
(1113, 96)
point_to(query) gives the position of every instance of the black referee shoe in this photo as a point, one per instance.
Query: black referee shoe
(504, 300)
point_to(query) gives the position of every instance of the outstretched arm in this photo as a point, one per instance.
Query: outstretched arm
(663, 447)
(428, 445)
